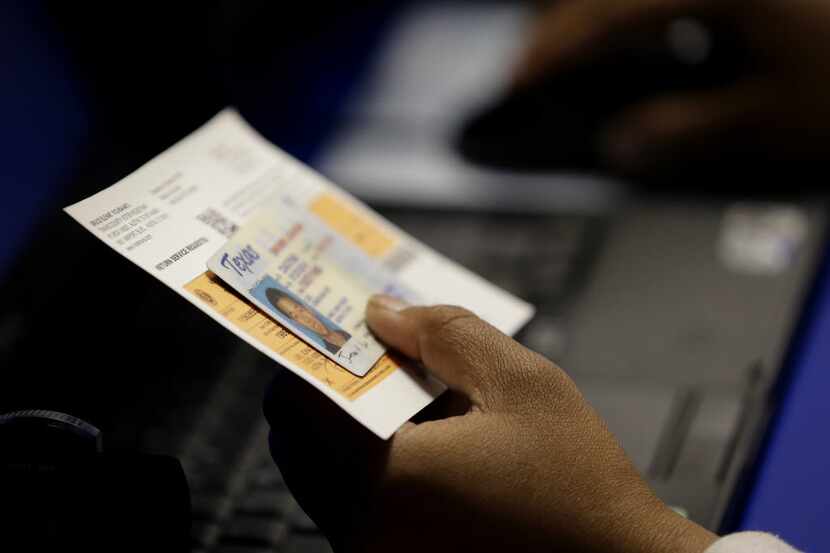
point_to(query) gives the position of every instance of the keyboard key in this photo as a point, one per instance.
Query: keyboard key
(267, 477)
(204, 533)
(270, 503)
(210, 506)
(250, 530)
(306, 544)
(206, 481)
(242, 549)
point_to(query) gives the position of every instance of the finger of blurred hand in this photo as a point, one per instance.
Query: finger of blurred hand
(686, 126)
(466, 353)
(573, 32)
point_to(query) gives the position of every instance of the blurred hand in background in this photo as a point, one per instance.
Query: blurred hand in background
(778, 108)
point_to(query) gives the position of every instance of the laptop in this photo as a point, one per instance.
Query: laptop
(674, 315)
(672, 311)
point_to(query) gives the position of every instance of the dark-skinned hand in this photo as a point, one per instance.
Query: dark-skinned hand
(511, 458)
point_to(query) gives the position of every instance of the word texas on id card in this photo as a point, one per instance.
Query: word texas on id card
(285, 260)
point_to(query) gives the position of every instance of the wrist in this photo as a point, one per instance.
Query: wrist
(681, 535)
(659, 529)
(633, 522)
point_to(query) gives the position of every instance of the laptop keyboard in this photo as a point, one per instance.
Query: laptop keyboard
(543, 259)
(240, 501)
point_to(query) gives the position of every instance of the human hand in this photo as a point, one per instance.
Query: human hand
(777, 109)
(521, 461)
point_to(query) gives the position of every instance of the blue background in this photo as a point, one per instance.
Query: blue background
(790, 495)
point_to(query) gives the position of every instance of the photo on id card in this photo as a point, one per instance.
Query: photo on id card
(307, 320)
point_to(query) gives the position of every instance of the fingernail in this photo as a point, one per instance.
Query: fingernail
(390, 303)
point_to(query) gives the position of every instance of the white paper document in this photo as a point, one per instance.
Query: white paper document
(286, 261)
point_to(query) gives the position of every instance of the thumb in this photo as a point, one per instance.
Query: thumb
(466, 353)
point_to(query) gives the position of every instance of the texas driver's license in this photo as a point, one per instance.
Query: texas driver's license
(286, 260)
